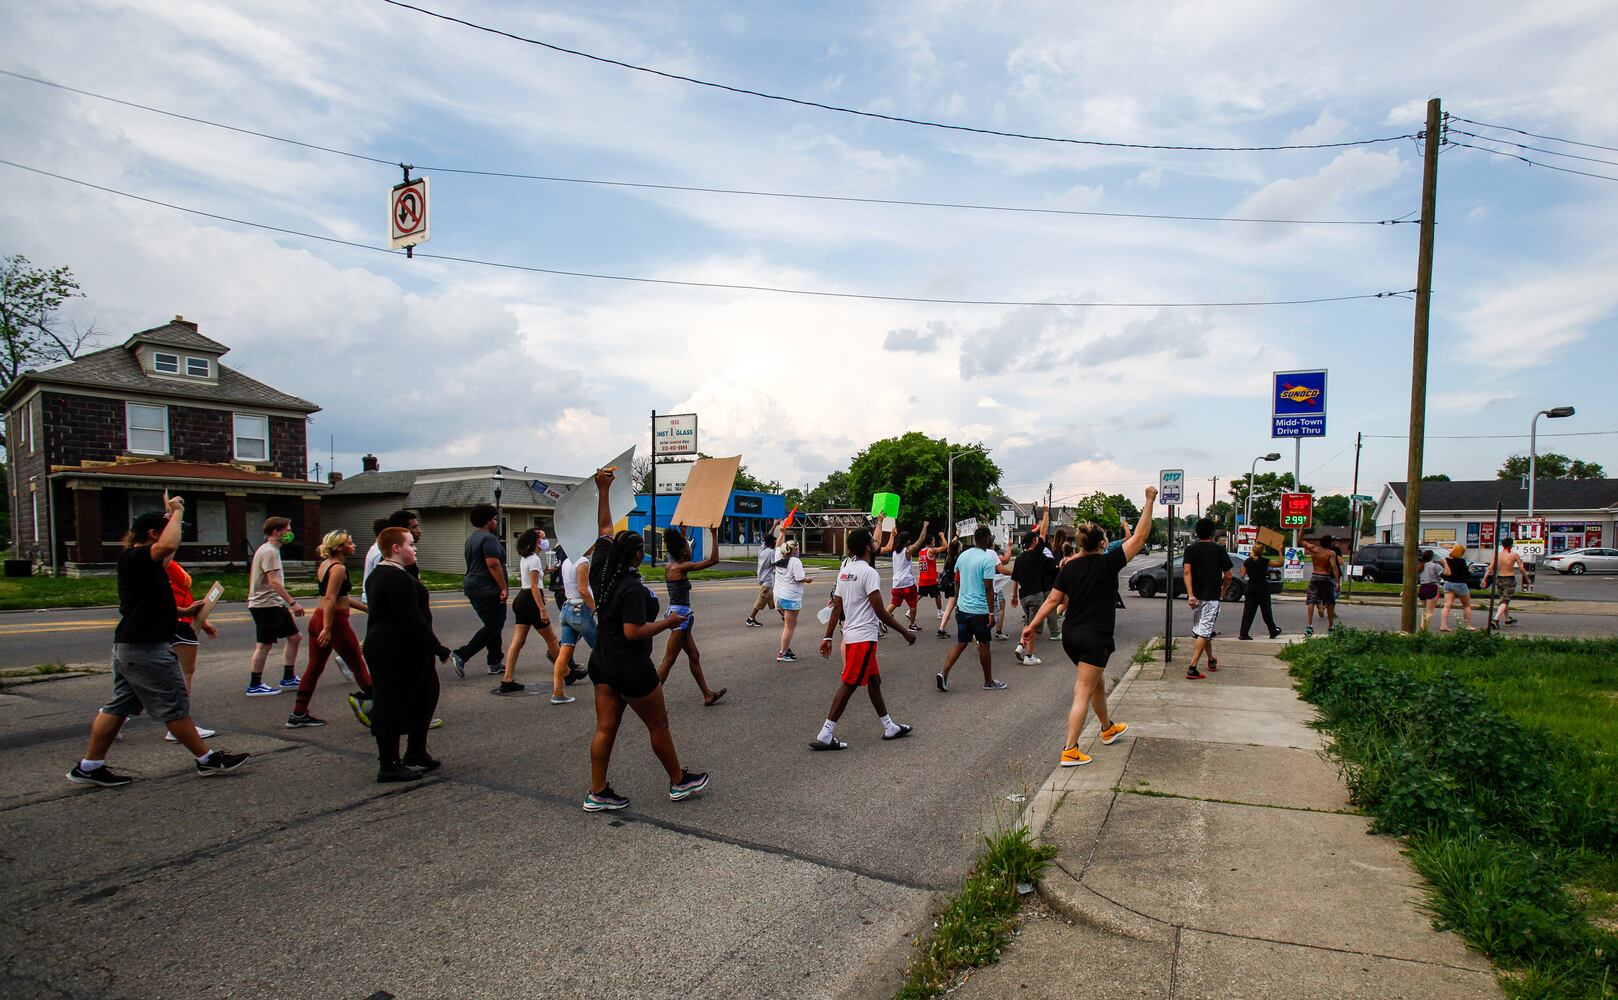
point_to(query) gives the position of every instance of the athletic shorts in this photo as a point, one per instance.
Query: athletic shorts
(859, 663)
(1093, 648)
(683, 609)
(1505, 587)
(905, 594)
(578, 623)
(789, 603)
(146, 677)
(184, 635)
(1427, 591)
(637, 680)
(969, 627)
(928, 590)
(526, 611)
(1322, 591)
(272, 624)
(1207, 616)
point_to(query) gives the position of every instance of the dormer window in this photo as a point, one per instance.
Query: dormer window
(198, 367)
(165, 364)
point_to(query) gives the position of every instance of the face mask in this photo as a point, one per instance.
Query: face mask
(544, 545)
(287, 536)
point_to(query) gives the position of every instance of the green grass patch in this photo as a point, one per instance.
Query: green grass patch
(1497, 760)
(975, 925)
(1143, 650)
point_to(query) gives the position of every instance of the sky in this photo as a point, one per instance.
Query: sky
(432, 363)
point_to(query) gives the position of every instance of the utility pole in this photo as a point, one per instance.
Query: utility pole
(1418, 364)
(1213, 498)
(1354, 509)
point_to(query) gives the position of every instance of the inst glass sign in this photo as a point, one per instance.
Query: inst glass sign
(675, 434)
(1298, 404)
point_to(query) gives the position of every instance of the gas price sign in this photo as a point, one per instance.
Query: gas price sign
(1297, 510)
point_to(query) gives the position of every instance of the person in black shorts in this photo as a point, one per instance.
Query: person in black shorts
(1089, 584)
(621, 661)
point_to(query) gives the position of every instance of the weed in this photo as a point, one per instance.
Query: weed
(51, 668)
(1143, 652)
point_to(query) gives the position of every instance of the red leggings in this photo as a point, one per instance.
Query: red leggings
(344, 643)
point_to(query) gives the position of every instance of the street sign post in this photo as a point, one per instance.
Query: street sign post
(407, 214)
(1362, 498)
(1297, 511)
(1171, 487)
(1298, 404)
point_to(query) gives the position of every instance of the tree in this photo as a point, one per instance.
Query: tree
(1437, 477)
(832, 492)
(30, 334)
(747, 481)
(1099, 507)
(1550, 466)
(1267, 490)
(916, 467)
(1337, 509)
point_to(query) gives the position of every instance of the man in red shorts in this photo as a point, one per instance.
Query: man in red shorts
(857, 603)
(904, 570)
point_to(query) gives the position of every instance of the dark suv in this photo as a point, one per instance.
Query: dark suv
(1384, 562)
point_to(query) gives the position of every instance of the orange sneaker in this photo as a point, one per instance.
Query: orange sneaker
(1110, 735)
(1071, 757)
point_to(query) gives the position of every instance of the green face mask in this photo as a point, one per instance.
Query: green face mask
(287, 536)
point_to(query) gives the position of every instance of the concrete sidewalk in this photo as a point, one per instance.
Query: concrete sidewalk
(1212, 852)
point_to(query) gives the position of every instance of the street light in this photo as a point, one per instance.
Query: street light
(1533, 429)
(949, 515)
(499, 524)
(1273, 456)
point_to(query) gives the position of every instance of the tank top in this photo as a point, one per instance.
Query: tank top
(344, 591)
(680, 592)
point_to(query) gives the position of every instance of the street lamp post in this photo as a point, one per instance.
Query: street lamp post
(499, 522)
(1273, 456)
(949, 514)
(1533, 429)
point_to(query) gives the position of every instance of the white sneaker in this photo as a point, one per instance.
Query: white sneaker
(343, 666)
(1032, 661)
(204, 733)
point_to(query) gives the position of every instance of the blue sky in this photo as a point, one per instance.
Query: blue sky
(430, 363)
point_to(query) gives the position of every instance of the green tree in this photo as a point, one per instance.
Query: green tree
(747, 481)
(831, 493)
(1099, 507)
(1437, 477)
(916, 467)
(793, 497)
(1267, 490)
(1550, 466)
(31, 336)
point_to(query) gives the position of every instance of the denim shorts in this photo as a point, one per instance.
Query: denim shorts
(1458, 589)
(789, 604)
(578, 622)
(683, 609)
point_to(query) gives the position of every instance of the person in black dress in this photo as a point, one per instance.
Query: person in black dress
(1256, 599)
(400, 648)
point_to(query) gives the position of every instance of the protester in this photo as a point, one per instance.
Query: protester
(185, 634)
(272, 608)
(406, 519)
(330, 632)
(400, 647)
(486, 587)
(975, 572)
(1326, 568)
(621, 666)
(528, 610)
(1429, 573)
(1456, 574)
(789, 581)
(1032, 574)
(947, 586)
(1002, 591)
(1207, 574)
(1089, 585)
(857, 604)
(1256, 598)
(766, 581)
(677, 575)
(146, 673)
(578, 613)
(904, 586)
(927, 571)
(1504, 567)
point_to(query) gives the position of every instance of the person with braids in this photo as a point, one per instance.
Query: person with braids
(621, 664)
(329, 632)
(678, 577)
(529, 611)
(857, 603)
(1089, 584)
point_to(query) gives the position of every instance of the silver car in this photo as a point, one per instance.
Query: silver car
(1581, 561)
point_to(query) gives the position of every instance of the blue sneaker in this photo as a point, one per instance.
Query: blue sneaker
(261, 691)
(289, 682)
(688, 785)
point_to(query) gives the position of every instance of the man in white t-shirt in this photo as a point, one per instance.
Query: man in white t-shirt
(857, 602)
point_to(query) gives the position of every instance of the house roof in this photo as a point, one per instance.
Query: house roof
(457, 487)
(178, 471)
(1485, 494)
(118, 368)
(179, 333)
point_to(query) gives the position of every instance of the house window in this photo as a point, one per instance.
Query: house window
(167, 364)
(148, 429)
(252, 438)
(198, 368)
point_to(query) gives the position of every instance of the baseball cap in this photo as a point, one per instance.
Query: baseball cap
(152, 520)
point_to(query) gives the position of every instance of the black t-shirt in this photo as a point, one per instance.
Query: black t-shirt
(1030, 572)
(629, 603)
(482, 545)
(1209, 562)
(145, 600)
(1459, 572)
(1254, 568)
(1091, 586)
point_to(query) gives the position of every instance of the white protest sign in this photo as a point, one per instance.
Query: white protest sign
(1292, 566)
(576, 526)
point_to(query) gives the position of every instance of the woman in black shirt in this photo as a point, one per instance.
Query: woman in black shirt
(1256, 598)
(1089, 584)
(400, 647)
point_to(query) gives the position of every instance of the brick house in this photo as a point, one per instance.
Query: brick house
(95, 441)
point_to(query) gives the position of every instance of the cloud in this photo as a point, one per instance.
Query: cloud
(1352, 173)
(1325, 128)
(911, 339)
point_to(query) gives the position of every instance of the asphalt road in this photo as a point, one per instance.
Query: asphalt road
(796, 874)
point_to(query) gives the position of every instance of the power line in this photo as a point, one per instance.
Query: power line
(1489, 437)
(1532, 163)
(1537, 149)
(872, 114)
(1535, 135)
(511, 175)
(820, 293)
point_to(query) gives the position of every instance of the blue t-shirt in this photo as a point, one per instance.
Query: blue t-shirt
(974, 566)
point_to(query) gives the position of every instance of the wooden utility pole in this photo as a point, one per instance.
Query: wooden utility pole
(1418, 365)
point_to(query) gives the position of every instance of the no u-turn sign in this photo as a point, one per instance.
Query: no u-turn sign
(407, 214)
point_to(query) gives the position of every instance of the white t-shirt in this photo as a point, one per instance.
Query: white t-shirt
(789, 580)
(857, 580)
(570, 576)
(904, 569)
(373, 559)
(531, 564)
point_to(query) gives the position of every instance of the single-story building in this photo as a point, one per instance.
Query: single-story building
(1578, 512)
(748, 516)
(443, 499)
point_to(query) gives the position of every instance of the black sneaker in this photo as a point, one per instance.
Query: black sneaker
(219, 762)
(426, 762)
(605, 800)
(1194, 674)
(753, 623)
(1275, 633)
(509, 687)
(576, 674)
(497, 668)
(304, 721)
(942, 634)
(103, 777)
(396, 772)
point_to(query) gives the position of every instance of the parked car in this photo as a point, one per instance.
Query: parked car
(1581, 561)
(1384, 562)
(1152, 581)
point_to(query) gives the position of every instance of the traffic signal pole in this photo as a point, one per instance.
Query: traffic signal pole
(1418, 365)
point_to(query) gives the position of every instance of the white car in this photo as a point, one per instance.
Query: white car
(1581, 561)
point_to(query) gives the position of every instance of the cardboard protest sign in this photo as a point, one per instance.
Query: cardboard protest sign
(576, 526)
(707, 492)
(208, 601)
(1272, 539)
(885, 505)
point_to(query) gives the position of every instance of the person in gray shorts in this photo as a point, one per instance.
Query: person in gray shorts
(146, 674)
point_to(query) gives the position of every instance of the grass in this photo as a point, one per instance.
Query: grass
(1497, 760)
(976, 923)
(1143, 651)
